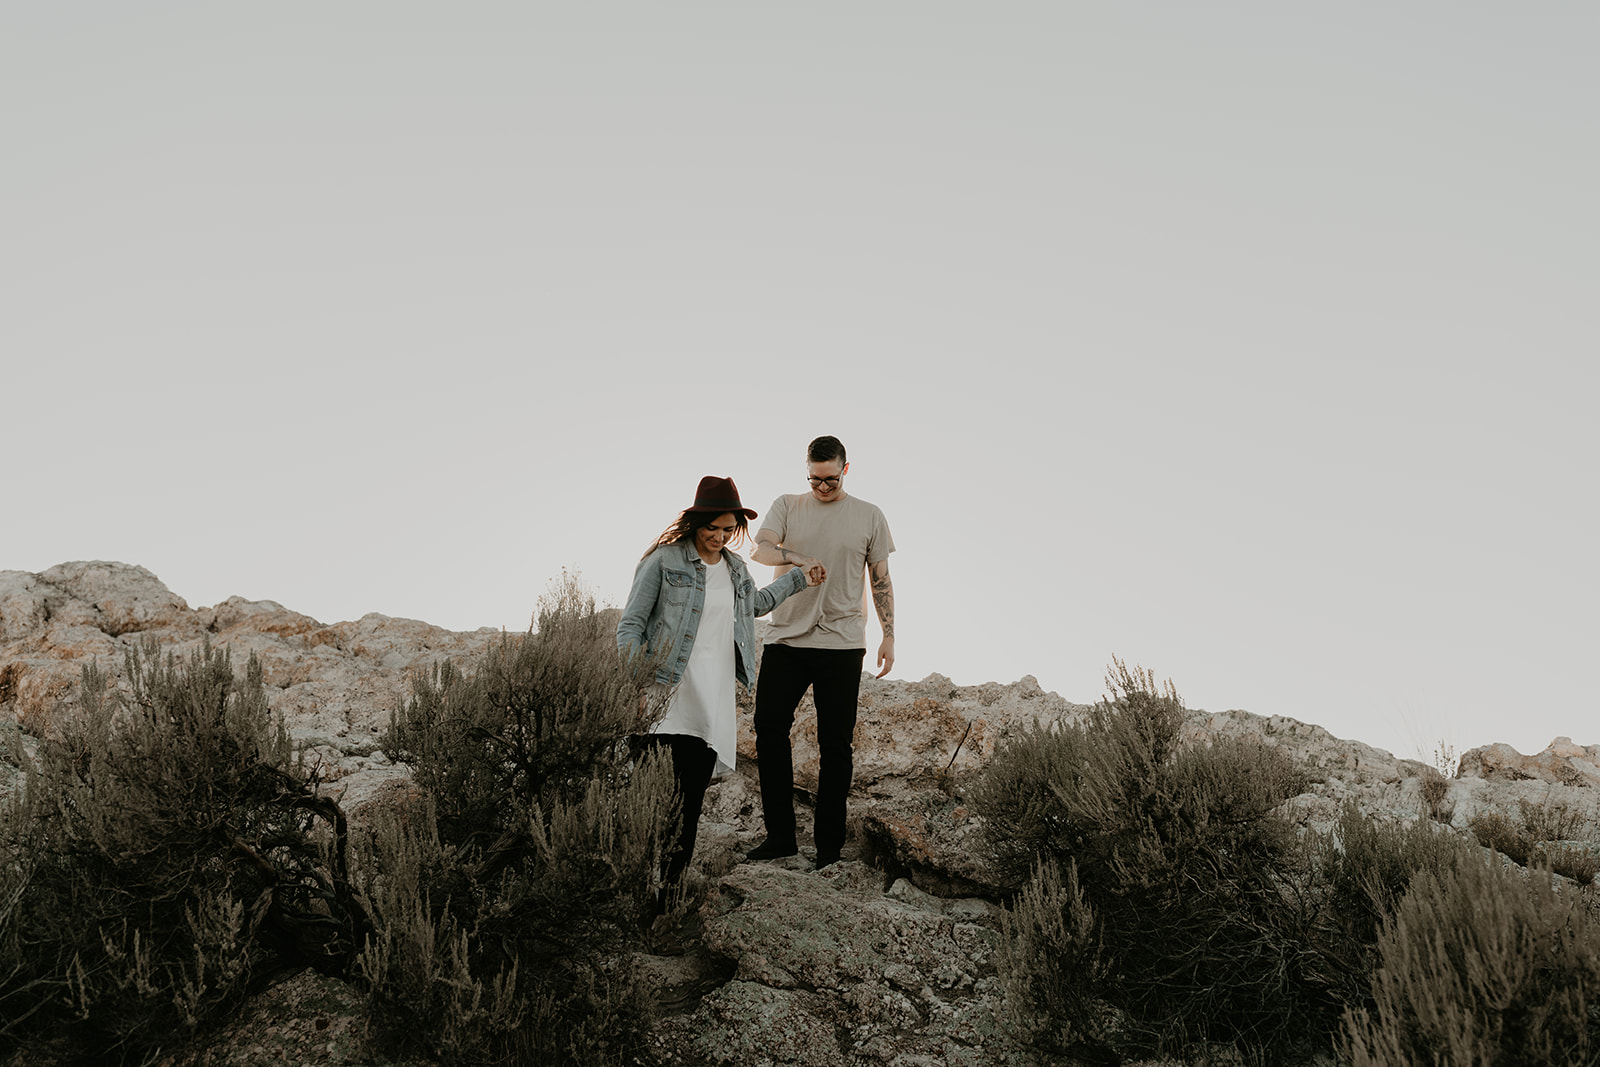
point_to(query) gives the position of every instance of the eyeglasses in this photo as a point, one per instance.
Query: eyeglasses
(831, 483)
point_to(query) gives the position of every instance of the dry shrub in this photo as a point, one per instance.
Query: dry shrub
(1182, 863)
(1484, 964)
(1552, 820)
(1499, 831)
(1054, 960)
(165, 852)
(1551, 834)
(1368, 866)
(1581, 863)
(1363, 871)
(1434, 792)
(504, 909)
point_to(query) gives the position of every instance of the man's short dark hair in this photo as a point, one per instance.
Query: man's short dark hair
(824, 449)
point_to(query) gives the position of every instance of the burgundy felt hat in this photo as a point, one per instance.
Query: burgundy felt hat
(718, 495)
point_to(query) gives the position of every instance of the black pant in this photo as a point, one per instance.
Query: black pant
(834, 675)
(692, 763)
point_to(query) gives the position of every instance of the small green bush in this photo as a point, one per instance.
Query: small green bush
(1182, 880)
(165, 852)
(1483, 965)
(504, 907)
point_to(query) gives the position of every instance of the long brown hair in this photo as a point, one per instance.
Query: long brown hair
(687, 522)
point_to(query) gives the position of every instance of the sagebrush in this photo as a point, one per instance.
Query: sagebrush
(1551, 834)
(166, 855)
(1487, 964)
(504, 906)
(1361, 873)
(1171, 863)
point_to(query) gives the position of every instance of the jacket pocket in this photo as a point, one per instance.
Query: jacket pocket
(676, 586)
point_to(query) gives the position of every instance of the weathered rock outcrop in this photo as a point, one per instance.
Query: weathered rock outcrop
(886, 957)
(334, 685)
(914, 975)
(1563, 763)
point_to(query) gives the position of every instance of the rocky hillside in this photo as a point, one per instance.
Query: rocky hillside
(890, 954)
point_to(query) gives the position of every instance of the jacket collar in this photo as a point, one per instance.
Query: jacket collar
(691, 556)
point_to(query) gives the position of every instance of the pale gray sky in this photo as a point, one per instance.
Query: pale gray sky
(1251, 343)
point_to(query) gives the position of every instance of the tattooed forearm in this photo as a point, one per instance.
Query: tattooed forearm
(883, 596)
(768, 551)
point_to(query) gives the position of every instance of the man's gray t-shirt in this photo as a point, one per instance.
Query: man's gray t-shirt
(848, 536)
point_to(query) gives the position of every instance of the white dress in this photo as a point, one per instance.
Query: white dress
(702, 705)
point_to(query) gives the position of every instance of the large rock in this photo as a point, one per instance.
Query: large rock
(335, 685)
(832, 969)
(55, 623)
(113, 598)
(1562, 763)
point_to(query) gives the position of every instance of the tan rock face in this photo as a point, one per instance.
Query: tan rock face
(55, 623)
(334, 685)
(834, 968)
(1562, 763)
(112, 598)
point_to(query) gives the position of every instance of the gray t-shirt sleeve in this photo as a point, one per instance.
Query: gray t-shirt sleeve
(776, 519)
(879, 543)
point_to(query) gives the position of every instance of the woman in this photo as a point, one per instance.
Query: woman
(693, 607)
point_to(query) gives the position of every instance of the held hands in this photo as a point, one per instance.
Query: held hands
(816, 573)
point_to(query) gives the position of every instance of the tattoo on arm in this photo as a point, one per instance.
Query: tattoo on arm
(883, 596)
(767, 542)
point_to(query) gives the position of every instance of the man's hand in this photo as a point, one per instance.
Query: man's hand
(883, 600)
(816, 574)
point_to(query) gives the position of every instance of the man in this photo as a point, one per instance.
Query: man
(818, 639)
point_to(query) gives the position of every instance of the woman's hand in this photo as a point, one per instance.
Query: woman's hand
(816, 573)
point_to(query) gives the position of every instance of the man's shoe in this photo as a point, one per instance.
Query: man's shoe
(773, 850)
(825, 858)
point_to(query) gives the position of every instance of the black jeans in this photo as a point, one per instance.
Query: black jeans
(692, 763)
(834, 675)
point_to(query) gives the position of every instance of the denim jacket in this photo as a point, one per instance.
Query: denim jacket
(668, 594)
